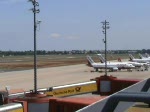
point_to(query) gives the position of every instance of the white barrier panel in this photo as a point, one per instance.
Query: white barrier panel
(11, 107)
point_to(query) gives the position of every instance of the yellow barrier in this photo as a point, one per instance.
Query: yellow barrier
(17, 110)
(73, 89)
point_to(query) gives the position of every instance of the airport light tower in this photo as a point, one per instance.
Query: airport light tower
(105, 27)
(35, 10)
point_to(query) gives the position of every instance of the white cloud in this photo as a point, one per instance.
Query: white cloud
(55, 35)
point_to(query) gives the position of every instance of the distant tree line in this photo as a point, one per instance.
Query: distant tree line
(53, 52)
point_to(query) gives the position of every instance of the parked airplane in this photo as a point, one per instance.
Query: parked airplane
(144, 60)
(142, 57)
(110, 66)
(147, 55)
(137, 65)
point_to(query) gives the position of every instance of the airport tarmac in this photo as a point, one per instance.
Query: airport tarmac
(54, 76)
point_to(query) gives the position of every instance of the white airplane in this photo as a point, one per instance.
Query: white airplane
(138, 66)
(142, 57)
(143, 60)
(147, 55)
(135, 64)
(110, 66)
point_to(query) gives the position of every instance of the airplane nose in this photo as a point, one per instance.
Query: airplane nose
(132, 66)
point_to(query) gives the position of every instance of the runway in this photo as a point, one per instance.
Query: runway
(54, 76)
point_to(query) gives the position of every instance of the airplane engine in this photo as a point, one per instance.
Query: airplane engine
(115, 69)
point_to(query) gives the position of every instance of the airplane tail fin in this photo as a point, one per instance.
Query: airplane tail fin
(119, 60)
(140, 55)
(131, 57)
(90, 61)
(147, 55)
(101, 58)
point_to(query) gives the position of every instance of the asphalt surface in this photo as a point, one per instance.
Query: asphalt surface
(54, 76)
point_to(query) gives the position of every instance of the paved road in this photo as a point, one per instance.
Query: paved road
(54, 76)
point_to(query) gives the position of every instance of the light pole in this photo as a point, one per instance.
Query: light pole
(35, 10)
(105, 27)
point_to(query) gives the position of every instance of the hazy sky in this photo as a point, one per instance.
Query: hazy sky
(75, 24)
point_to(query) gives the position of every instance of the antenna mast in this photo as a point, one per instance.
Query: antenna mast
(105, 27)
(35, 11)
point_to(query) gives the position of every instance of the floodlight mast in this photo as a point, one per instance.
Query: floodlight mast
(35, 10)
(105, 27)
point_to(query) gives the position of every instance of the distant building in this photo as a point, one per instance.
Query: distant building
(132, 51)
